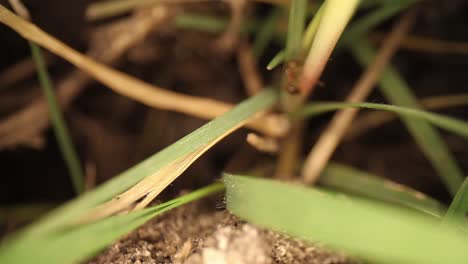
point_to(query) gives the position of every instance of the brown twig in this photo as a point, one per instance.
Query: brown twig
(330, 138)
(263, 144)
(20, 9)
(248, 69)
(373, 120)
(228, 41)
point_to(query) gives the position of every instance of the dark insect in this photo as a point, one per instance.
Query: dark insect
(292, 71)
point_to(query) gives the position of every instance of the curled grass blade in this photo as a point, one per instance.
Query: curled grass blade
(350, 180)
(78, 243)
(376, 232)
(453, 125)
(397, 92)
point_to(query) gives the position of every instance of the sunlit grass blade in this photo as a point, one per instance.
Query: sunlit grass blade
(458, 209)
(355, 30)
(453, 125)
(376, 232)
(80, 242)
(336, 15)
(350, 180)
(60, 128)
(397, 92)
(312, 28)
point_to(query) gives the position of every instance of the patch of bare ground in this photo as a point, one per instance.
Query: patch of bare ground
(199, 234)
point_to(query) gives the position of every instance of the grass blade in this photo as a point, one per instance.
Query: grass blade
(336, 15)
(277, 60)
(296, 24)
(374, 231)
(312, 28)
(266, 32)
(397, 92)
(60, 128)
(358, 29)
(82, 242)
(349, 180)
(208, 24)
(68, 214)
(372, 120)
(459, 206)
(453, 125)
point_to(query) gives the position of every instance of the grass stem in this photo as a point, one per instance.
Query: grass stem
(60, 128)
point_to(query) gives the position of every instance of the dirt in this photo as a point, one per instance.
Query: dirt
(199, 234)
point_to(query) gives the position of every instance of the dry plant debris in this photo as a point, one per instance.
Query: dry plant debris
(29, 122)
(136, 89)
(330, 138)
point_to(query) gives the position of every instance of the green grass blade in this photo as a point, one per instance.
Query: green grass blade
(453, 125)
(459, 206)
(350, 180)
(266, 32)
(277, 60)
(60, 128)
(377, 232)
(365, 24)
(68, 213)
(208, 24)
(108, 8)
(312, 28)
(397, 92)
(296, 24)
(76, 244)
(356, 30)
